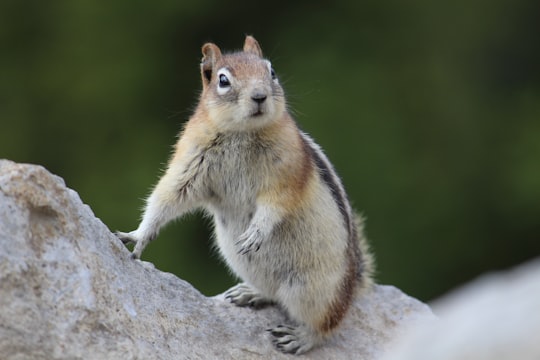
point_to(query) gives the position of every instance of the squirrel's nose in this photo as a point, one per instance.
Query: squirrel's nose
(258, 97)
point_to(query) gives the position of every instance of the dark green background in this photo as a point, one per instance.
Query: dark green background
(430, 111)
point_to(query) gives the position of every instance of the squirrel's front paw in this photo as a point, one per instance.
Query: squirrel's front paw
(132, 238)
(250, 240)
(126, 238)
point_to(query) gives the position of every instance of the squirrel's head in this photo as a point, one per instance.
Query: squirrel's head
(240, 90)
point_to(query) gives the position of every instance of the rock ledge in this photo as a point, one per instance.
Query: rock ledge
(69, 290)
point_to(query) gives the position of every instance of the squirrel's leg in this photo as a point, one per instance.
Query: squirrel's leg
(277, 200)
(316, 319)
(260, 228)
(245, 295)
(306, 333)
(170, 198)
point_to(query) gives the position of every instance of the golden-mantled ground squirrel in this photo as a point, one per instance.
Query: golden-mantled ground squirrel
(283, 222)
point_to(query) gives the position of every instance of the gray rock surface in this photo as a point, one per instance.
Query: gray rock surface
(69, 290)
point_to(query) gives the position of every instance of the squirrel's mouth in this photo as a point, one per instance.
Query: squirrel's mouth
(258, 110)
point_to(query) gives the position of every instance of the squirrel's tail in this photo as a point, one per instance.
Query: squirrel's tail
(367, 260)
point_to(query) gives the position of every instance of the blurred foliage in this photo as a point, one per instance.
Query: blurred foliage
(430, 111)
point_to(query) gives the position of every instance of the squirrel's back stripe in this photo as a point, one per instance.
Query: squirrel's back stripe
(330, 178)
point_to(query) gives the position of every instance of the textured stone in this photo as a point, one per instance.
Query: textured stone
(69, 290)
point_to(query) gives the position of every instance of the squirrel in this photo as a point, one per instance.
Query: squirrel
(282, 219)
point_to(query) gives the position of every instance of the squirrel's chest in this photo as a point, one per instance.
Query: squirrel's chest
(237, 167)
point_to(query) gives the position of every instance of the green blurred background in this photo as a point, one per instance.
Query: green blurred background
(430, 111)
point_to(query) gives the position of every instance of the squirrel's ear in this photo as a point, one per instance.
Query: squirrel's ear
(211, 54)
(252, 46)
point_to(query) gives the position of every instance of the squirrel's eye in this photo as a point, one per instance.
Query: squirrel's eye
(273, 74)
(224, 81)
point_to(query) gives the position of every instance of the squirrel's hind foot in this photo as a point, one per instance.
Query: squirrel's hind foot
(293, 340)
(244, 295)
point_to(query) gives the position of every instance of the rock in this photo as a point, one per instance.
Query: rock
(496, 317)
(69, 290)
